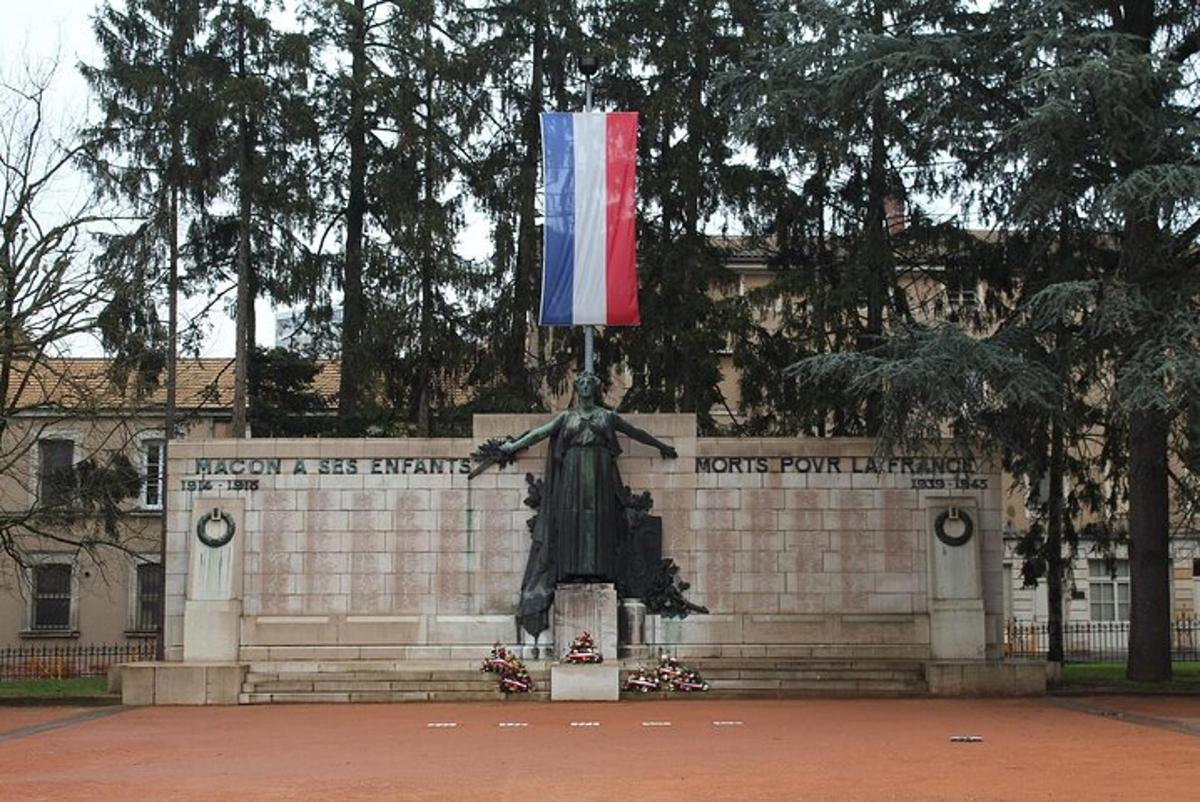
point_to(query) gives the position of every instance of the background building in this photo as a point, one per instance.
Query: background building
(81, 496)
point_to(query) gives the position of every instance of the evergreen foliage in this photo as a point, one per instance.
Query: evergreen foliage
(1084, 144)
(150, 148)
(285, 403)
(665, 60)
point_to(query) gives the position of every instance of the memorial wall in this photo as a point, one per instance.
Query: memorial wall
(383, 547)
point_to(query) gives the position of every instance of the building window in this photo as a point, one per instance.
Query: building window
(1109, 592)
(146, 599)
(50, 607)
(963, 299)
(152, 474)
(56, 473)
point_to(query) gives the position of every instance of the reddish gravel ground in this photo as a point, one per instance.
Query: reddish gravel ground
(788, 750)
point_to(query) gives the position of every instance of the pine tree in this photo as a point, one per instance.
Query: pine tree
(1081, 135)
(664, 62)
(153, 135)
(523, 49)
(841, 104)
(262, 147)
(434, 107)
(347, 97)
(397, 106)
(1122, 78)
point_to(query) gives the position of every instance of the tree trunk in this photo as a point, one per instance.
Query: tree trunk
(169, 408)
(1149, 501)
(875, 247)
(428, 263)
(1149, 549)
(354, 362)
(242, 336)
(1055, 564)
(525, 280)
(8, 331)
(688, 397)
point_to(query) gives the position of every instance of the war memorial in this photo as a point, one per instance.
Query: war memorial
(320, 558)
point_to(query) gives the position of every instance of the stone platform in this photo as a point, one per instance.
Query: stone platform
(334, 680)
(584, 683)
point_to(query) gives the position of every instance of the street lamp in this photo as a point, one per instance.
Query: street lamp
(589, 64)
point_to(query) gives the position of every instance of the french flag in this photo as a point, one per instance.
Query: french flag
(589, 273)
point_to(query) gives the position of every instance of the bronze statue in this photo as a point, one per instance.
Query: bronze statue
(581, 514)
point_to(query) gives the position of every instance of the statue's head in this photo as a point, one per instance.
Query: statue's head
(587, 387)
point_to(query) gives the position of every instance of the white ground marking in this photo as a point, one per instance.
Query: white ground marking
(585, 723)
(656, 724)
(727, 723)
(513, 724)
(442, 724)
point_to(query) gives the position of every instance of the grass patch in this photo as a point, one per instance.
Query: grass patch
(54, 688)
(1186, 677)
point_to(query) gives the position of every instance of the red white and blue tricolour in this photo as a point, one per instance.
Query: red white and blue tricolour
(590, 254)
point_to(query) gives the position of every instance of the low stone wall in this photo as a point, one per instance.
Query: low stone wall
(989, 678)
(174, 684)
(382, 547)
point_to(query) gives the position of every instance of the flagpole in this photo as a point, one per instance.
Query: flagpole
(588, 65)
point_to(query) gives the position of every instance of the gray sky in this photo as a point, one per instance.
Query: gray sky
(36, 31)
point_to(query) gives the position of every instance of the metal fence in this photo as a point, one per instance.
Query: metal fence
(1095, 641)
(59, 662)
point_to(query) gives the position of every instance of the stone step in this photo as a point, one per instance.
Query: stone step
(326, 697)
(833, 683)
(430, 667)
(815, 692)
(337, 684)
(763, 664)
(380, 676)
(390, 680)
(815, 675)
(469, 653)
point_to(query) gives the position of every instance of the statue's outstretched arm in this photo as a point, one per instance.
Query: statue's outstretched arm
(642, 436)
(529, 438)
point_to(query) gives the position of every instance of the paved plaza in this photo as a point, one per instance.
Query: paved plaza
(1080, 748)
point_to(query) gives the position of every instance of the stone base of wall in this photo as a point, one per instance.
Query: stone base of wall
(986, 678)
(750, 635)
(181, 683)
(600, 683)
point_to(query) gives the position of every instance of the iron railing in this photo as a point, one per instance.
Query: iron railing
(1095, 641)
(37, 661)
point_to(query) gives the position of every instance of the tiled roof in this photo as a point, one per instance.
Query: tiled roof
(202, 384)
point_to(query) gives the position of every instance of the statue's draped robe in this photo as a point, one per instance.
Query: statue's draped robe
(581, 516)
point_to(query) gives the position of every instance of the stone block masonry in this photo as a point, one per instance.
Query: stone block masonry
(797, 547)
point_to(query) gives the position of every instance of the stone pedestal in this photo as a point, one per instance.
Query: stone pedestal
(956, 610)
(631, 630)
(590, 607)
(211, 630)
(212, 611)
(584, 683)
